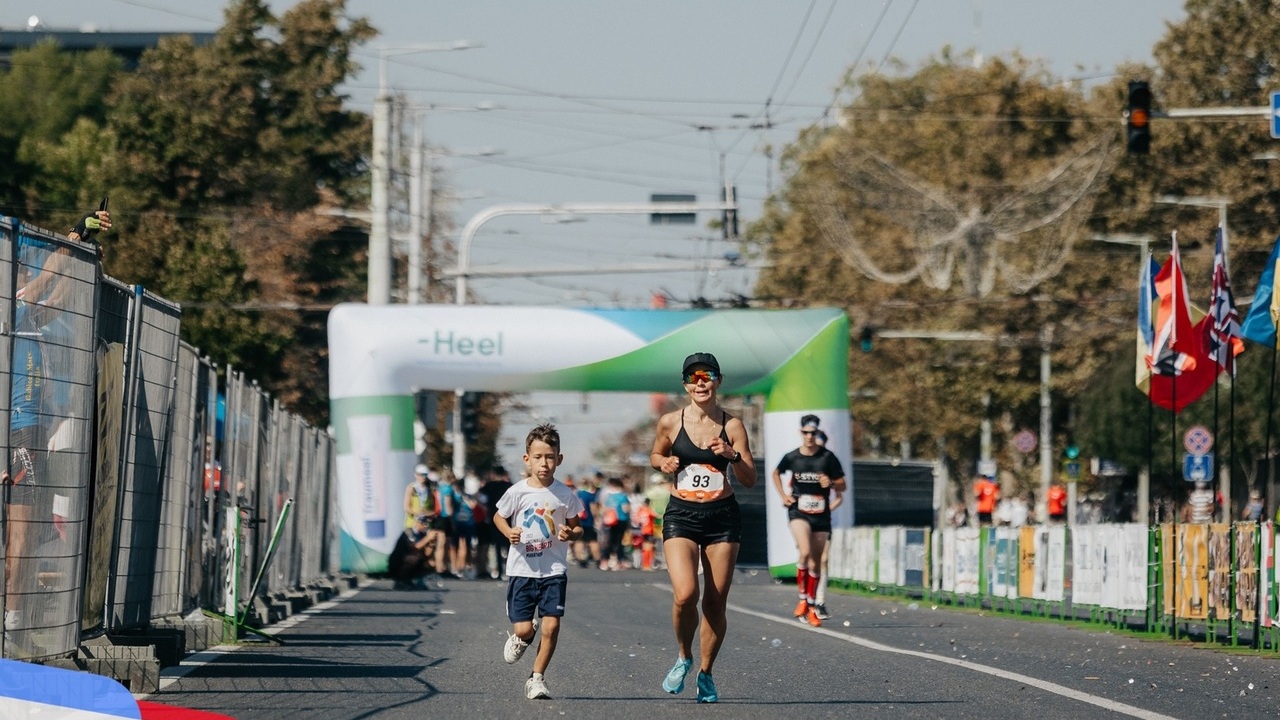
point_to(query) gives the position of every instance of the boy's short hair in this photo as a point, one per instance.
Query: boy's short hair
(547, 433)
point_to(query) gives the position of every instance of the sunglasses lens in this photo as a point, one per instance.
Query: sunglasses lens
(700, 375)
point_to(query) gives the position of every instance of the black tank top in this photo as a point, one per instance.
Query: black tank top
(682, 447)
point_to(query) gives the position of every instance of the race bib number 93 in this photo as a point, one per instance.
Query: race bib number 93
(699, 482)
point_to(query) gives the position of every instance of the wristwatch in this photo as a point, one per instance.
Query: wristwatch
(736, 457)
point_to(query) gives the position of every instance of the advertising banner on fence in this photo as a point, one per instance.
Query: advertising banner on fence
(1246, 544)
(890, 570)
(915, 571)
(968, 569)
(1219, 566)
(1185, 549)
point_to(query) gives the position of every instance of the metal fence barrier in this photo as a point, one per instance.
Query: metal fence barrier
(1216, 582)
(126, 453)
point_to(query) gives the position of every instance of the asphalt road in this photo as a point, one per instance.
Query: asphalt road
(381, 653)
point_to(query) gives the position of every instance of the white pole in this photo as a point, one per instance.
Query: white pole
(414, 290)
(1046, 426)
(379, 280)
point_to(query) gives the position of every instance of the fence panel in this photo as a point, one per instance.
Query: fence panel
(149, 399)
(49, 292)
(170, 587)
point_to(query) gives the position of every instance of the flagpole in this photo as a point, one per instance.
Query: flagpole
(1271, 394)
(1173, 430)
(1173, 497)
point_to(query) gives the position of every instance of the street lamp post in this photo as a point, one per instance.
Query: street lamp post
(379, 279)
(1045, 340)
(1143, 243)
(494, 211)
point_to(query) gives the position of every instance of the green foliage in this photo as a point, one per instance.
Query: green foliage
(44, 95)
(973, 137)
(226, 150)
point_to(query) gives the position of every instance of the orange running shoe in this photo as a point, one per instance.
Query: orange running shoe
(812, 618)
(802, 608)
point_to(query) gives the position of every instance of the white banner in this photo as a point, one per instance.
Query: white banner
(890, 568)
(968, 569)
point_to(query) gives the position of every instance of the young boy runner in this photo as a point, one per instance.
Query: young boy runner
(539, 517)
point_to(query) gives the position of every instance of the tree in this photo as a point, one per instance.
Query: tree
(947, 194)
(226, 151)
(45, 96)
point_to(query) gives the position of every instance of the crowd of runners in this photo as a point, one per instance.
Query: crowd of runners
(450, 530)
(531, 531)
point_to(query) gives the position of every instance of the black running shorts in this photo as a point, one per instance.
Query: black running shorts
(718, 521)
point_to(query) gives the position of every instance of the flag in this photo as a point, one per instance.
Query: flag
(1260, 324)
(1173, 332)
(1146, 323)
(1174, 369)
(1223, 343)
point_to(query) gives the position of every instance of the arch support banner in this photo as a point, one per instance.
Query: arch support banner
(380, 355)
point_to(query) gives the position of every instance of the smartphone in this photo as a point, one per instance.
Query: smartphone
(103, 205)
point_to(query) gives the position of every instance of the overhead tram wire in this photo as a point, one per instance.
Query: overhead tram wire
(884, 10)
(893, 43)
(777, 82)
(532, 92)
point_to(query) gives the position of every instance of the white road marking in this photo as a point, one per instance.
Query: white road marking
(1056, 689)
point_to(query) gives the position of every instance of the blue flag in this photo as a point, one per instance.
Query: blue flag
(1260, 324)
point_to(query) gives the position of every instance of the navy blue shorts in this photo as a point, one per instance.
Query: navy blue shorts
(526, 594)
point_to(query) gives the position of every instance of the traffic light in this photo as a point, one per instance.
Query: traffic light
(470, 426)
(1138, 117)
(867, 340)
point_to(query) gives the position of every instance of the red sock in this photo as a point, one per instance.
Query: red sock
(802, 581)
(811, 588)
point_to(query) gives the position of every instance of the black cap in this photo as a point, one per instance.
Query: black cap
(809, 420)
(701, 358)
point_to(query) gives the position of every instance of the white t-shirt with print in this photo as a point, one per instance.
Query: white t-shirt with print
(539, 513)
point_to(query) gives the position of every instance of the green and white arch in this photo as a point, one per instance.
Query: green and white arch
(380, 355)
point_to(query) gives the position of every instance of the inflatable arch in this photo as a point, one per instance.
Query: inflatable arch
(380, 355)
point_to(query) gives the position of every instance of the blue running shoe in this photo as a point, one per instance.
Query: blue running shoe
(707, 688)
(674, 681)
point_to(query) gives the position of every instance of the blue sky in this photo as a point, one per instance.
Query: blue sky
(612, 101)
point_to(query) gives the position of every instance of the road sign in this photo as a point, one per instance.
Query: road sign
(1024, 442)
(1275, 114)
(1197, 440)
(1197, 468)
(1072, 469)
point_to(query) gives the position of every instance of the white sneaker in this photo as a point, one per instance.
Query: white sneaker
(514, 648)
(535, 688)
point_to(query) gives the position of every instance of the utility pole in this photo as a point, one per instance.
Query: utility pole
(379, 281)
(1046, 424)
(413, 296)
(379, 273)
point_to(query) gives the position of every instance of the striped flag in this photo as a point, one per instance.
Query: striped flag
(1147, 296)
(1173, 320)
(1173, 369)
(1224, 342)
